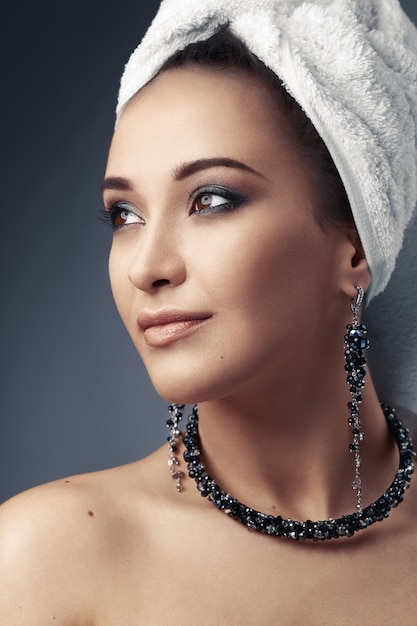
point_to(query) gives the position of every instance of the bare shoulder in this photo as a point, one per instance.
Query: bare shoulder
(57, 540)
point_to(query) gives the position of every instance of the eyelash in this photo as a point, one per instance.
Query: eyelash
(109, 213)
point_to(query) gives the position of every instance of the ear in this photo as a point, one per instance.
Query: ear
(354, 266)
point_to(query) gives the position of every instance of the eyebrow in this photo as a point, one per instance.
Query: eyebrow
(187, 169)
(116, 182)
(180, 172)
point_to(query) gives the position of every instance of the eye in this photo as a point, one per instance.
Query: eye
(122, 214)
(209, 200)
(215, 200)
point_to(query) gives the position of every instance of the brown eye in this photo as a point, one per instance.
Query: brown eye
(217, 200)
(120, 217)
(203, 202)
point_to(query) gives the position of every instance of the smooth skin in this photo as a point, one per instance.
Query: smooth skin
(238, 246)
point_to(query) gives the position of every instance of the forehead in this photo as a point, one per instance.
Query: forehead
(240, 91)
(192, 113)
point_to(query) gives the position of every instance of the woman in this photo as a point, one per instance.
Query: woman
(239, 272)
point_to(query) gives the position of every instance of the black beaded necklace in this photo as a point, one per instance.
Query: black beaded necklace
(344, 526)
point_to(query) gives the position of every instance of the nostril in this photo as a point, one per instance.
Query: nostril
(160, 282)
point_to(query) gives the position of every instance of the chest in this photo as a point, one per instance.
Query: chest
(236, 577)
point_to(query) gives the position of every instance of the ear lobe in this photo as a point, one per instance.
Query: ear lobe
(355, 266)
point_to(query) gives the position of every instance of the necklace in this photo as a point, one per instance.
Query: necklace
(344, 526)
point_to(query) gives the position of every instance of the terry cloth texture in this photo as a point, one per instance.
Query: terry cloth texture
(352, 66)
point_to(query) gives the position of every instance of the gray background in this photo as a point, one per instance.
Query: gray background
(75, 396)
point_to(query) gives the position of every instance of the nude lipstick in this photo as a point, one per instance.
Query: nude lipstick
(164, 327)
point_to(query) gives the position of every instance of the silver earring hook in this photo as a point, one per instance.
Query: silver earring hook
(357, 302)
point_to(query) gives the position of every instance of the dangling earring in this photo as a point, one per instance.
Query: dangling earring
(356, 341)
(174, 438)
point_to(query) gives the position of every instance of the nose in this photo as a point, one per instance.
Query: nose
(157, 260)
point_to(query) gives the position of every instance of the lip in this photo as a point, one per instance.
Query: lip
(164, 327)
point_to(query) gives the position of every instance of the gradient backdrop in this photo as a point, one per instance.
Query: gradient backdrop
(75, 396)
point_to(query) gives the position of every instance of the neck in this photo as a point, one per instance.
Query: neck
(286, 450)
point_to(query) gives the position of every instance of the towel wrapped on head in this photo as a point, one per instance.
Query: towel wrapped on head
(352, 66)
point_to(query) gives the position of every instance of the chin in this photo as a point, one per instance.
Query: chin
(178, 395)
(185, 389)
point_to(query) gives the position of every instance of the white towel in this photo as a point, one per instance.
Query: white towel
(352, 66)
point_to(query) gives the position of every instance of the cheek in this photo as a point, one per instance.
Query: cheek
(258, 267)
(120, 285)
(114, 274)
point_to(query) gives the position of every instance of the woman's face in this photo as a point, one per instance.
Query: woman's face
(219, 267)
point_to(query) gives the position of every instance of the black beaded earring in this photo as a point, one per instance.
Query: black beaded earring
(175, 436)
(356, 341)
